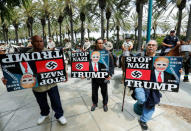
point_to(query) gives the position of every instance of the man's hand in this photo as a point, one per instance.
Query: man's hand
(170, 45)
(109, 78)
(180, 71)
(4, 80)
(82, 77)
(66, 77)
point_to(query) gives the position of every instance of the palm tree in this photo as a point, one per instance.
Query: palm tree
(157, 21)
(59, 5)
(16, 17)
(102, 5)
(29, 12)
(5, 31)
(43, 23)
(47, 8)
(69, 8)
(188, 33)
(108, 15)
(181, 5)
(83, 5)
(139, 9)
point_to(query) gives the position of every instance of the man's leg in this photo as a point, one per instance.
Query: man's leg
(140, 95)
(186, 69)
(55, 102)
(147, 113)
(95, 87)
(41, 98)
(104, 93)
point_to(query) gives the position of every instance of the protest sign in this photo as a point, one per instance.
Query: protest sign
(28, 70)
(159, 72)
(93, 64)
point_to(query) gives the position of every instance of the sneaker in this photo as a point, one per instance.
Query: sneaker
(93, 107)
(143, 125)
(41, 119)
(105, 108)
(62, 120)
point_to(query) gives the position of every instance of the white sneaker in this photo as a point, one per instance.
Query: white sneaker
(41, 119)
(62, 120)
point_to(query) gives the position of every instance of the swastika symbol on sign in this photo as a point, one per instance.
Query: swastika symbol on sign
(51, 65)
(136, 74)
(79, 66)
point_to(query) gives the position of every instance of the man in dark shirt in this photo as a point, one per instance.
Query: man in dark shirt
(169, 42)
(101, 82)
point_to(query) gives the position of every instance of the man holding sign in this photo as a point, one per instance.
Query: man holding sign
(28, 80)
(147, 98)
(100, 82)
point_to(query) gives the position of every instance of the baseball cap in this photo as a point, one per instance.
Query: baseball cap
(172, 31)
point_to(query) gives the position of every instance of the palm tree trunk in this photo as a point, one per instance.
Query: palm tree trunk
(82, 32)
(188, 33)
(4, 34)
(16, 34)
(49, 31)
(88, 33)
(56, 37)
(71, 27)
(31, 30)
(154, 34)
(107, 28)
(60, 25)
(136, 47)
(102, 23)
(117, 28)
(140, 15)
(43, 34)
(179, 23)
(75, 33)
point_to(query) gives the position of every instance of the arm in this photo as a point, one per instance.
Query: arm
(111, 66)
(167, 45)
(4, 80)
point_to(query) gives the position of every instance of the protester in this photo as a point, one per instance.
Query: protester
(169, 42)
(51, 45)
(108, 45)
(67, 48)
(41, 92)
(127, 46)
(101, 82)
(2, 49)
(146, 97)
(29, 44)
(185, 51)
(86, 45)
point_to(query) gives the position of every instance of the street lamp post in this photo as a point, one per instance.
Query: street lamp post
(149, 21)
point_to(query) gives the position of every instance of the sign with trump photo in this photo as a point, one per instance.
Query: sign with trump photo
(93, 64)
(158, 73)
(30, 70)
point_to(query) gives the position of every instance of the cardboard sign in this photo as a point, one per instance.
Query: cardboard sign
(159, 72)
(28, 70)
(93, 64)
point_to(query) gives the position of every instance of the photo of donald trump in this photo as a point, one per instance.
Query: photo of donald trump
(160, 74)
(95, 65)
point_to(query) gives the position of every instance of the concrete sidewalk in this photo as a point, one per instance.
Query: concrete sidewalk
(19, 109)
